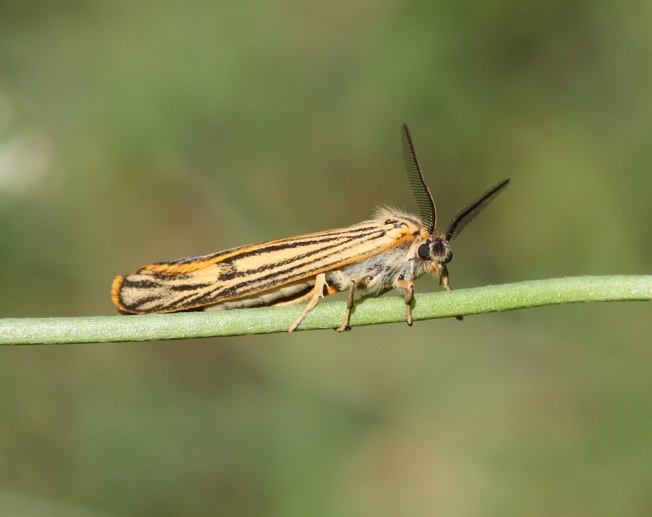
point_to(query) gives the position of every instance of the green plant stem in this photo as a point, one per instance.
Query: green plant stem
(463, 302)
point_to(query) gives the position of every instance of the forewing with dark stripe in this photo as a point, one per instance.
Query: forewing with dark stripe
(195, 282)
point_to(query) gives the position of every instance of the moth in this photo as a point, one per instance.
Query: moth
(370, 258)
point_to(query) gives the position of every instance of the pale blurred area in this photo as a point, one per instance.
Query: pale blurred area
(134, 132)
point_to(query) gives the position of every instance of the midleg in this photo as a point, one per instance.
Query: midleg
(408, 285)
(349, 307)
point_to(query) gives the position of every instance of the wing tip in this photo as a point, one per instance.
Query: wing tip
(116, 298)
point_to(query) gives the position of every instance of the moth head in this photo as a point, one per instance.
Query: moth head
(436, 249)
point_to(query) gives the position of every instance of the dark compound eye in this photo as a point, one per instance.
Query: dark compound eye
(424, 251)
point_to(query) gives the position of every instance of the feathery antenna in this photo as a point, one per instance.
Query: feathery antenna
(427, 209)
(467, 215)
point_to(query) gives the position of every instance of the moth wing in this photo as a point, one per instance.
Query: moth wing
(196, 282)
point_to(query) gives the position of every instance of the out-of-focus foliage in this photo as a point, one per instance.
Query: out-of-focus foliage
(144, 131)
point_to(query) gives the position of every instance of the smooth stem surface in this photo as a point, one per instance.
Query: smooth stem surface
(480, 300)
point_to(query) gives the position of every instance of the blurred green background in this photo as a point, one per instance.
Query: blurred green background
(132, 132)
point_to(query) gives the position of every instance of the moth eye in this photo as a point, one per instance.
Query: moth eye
(423, 251)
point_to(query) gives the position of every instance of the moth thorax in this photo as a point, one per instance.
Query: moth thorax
(436, 249)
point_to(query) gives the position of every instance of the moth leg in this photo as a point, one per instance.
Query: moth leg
(313, 298)
(443, 277)
(443, 280)
(349, 307)
(308, 287)
(408, 285)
